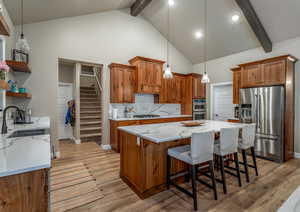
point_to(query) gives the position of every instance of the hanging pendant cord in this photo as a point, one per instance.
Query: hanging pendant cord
(168, 37)
(22, 22)
(205, 36)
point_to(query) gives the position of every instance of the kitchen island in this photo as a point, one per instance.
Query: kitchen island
(144, 148)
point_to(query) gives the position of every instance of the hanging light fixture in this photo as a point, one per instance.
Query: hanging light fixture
(168, 71)
(205, 79)
(22, 43)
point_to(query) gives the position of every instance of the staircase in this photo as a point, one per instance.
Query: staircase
(90, 115)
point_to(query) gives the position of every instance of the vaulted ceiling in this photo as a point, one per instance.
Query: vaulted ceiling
(280, 19)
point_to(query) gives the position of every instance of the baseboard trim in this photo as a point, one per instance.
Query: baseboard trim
(57, 154)
(77, 141)
(106, 147)
(297, 155)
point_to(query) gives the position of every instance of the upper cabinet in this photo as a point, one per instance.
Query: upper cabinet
(172, 89)
(199, 89)
(264, 73)
(148, 75)
(236, 78)
(122, 83)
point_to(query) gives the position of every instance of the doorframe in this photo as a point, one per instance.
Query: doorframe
(212, 87)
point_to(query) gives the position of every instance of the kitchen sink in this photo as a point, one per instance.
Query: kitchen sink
(24, 133)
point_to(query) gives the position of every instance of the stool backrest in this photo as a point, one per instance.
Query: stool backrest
(202, 146)
(229, 138)
(248, 135)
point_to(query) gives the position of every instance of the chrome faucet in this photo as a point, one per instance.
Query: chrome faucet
(4, 125)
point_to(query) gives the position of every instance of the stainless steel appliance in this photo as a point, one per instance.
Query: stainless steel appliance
(265, 107)
(199, 109)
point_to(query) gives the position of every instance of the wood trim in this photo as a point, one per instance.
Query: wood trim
(17, 66)
(4, 28)
(236, 69)
(118, 65)
(19, 95)
(137, 58)
(255, 24)
(288, 56)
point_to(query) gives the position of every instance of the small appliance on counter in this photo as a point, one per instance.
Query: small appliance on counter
(199, 109)
(25, 118)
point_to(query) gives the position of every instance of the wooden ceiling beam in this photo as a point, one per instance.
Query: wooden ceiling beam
(255, 24)
(138, 6)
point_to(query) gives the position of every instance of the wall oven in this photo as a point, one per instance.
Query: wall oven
(199, 109)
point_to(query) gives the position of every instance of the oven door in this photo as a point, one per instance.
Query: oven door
(199, 115)
(199, 106)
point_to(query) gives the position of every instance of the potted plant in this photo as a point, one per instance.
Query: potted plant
(4, 68)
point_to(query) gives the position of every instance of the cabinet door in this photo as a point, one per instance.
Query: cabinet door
(199, 89)
(274, 72)
(128, 86)
(236, 86)
(116, 85)
(252, 76)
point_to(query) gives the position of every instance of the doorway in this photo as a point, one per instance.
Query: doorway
(222, 107)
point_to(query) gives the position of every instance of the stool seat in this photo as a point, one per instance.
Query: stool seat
(183, 153)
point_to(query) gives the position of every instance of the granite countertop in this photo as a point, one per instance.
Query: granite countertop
(164, 132)
(25, 154)
(161, 117)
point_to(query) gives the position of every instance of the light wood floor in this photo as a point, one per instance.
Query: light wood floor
(265, 193)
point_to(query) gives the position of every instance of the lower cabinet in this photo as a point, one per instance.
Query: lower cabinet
(114, 132)
(27, 192)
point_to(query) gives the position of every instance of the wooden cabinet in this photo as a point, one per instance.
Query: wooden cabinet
(114, 132)
(236, 73)
(122, 83)
(193, 89)
(274, 72)
(27, 192)
(148, 75)
(172, 90)
(252, 76)
(199, 89)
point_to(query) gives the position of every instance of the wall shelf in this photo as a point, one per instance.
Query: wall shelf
(18, 66)
(19, 95)
(4, 28)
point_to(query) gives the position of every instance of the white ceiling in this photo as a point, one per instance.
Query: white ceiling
(43, 10)
(279, 17)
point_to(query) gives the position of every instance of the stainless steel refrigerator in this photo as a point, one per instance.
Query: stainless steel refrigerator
(265, 107)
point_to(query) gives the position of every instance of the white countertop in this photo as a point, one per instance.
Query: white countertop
(174, 131)
(161, 117)
(25, 154)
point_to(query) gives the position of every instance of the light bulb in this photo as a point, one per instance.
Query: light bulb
(22, 44)
(198, 35)
(168, 73)
(205, 79)
(235, 18)
(171, 3)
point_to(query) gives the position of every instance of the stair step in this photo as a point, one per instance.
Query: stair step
(91, 135)
(90, 117)
(82, 92)
(88, 99)
(91, 107)
(90, 113)
(88, 95)
(90, 128)
(84, 123)
(87, 88)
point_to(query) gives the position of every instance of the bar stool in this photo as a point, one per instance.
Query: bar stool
(228, 145)
(245, 143)
(200, 151)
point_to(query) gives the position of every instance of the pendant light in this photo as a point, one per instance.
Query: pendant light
(205, 79)
(168, 71)
(22, 43)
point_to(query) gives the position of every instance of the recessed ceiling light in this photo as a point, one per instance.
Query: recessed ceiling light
(235, 18)
(171, 3)
(198, 35)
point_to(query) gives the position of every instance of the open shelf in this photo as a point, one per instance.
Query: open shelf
(17, 66)
(19, 95)
(4, 28)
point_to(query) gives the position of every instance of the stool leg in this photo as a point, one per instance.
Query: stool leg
(223, 175)
(168, 171)
(254, 160)
(194, 186)
(245, 165)
(213, 180)
(237, 166)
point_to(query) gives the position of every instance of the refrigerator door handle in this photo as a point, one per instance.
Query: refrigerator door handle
(257, 111)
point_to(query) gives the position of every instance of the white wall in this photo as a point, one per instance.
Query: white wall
(219, 70)
(101, 38)
(66, 73)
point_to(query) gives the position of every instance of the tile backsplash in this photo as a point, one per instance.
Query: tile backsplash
(144, 104)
